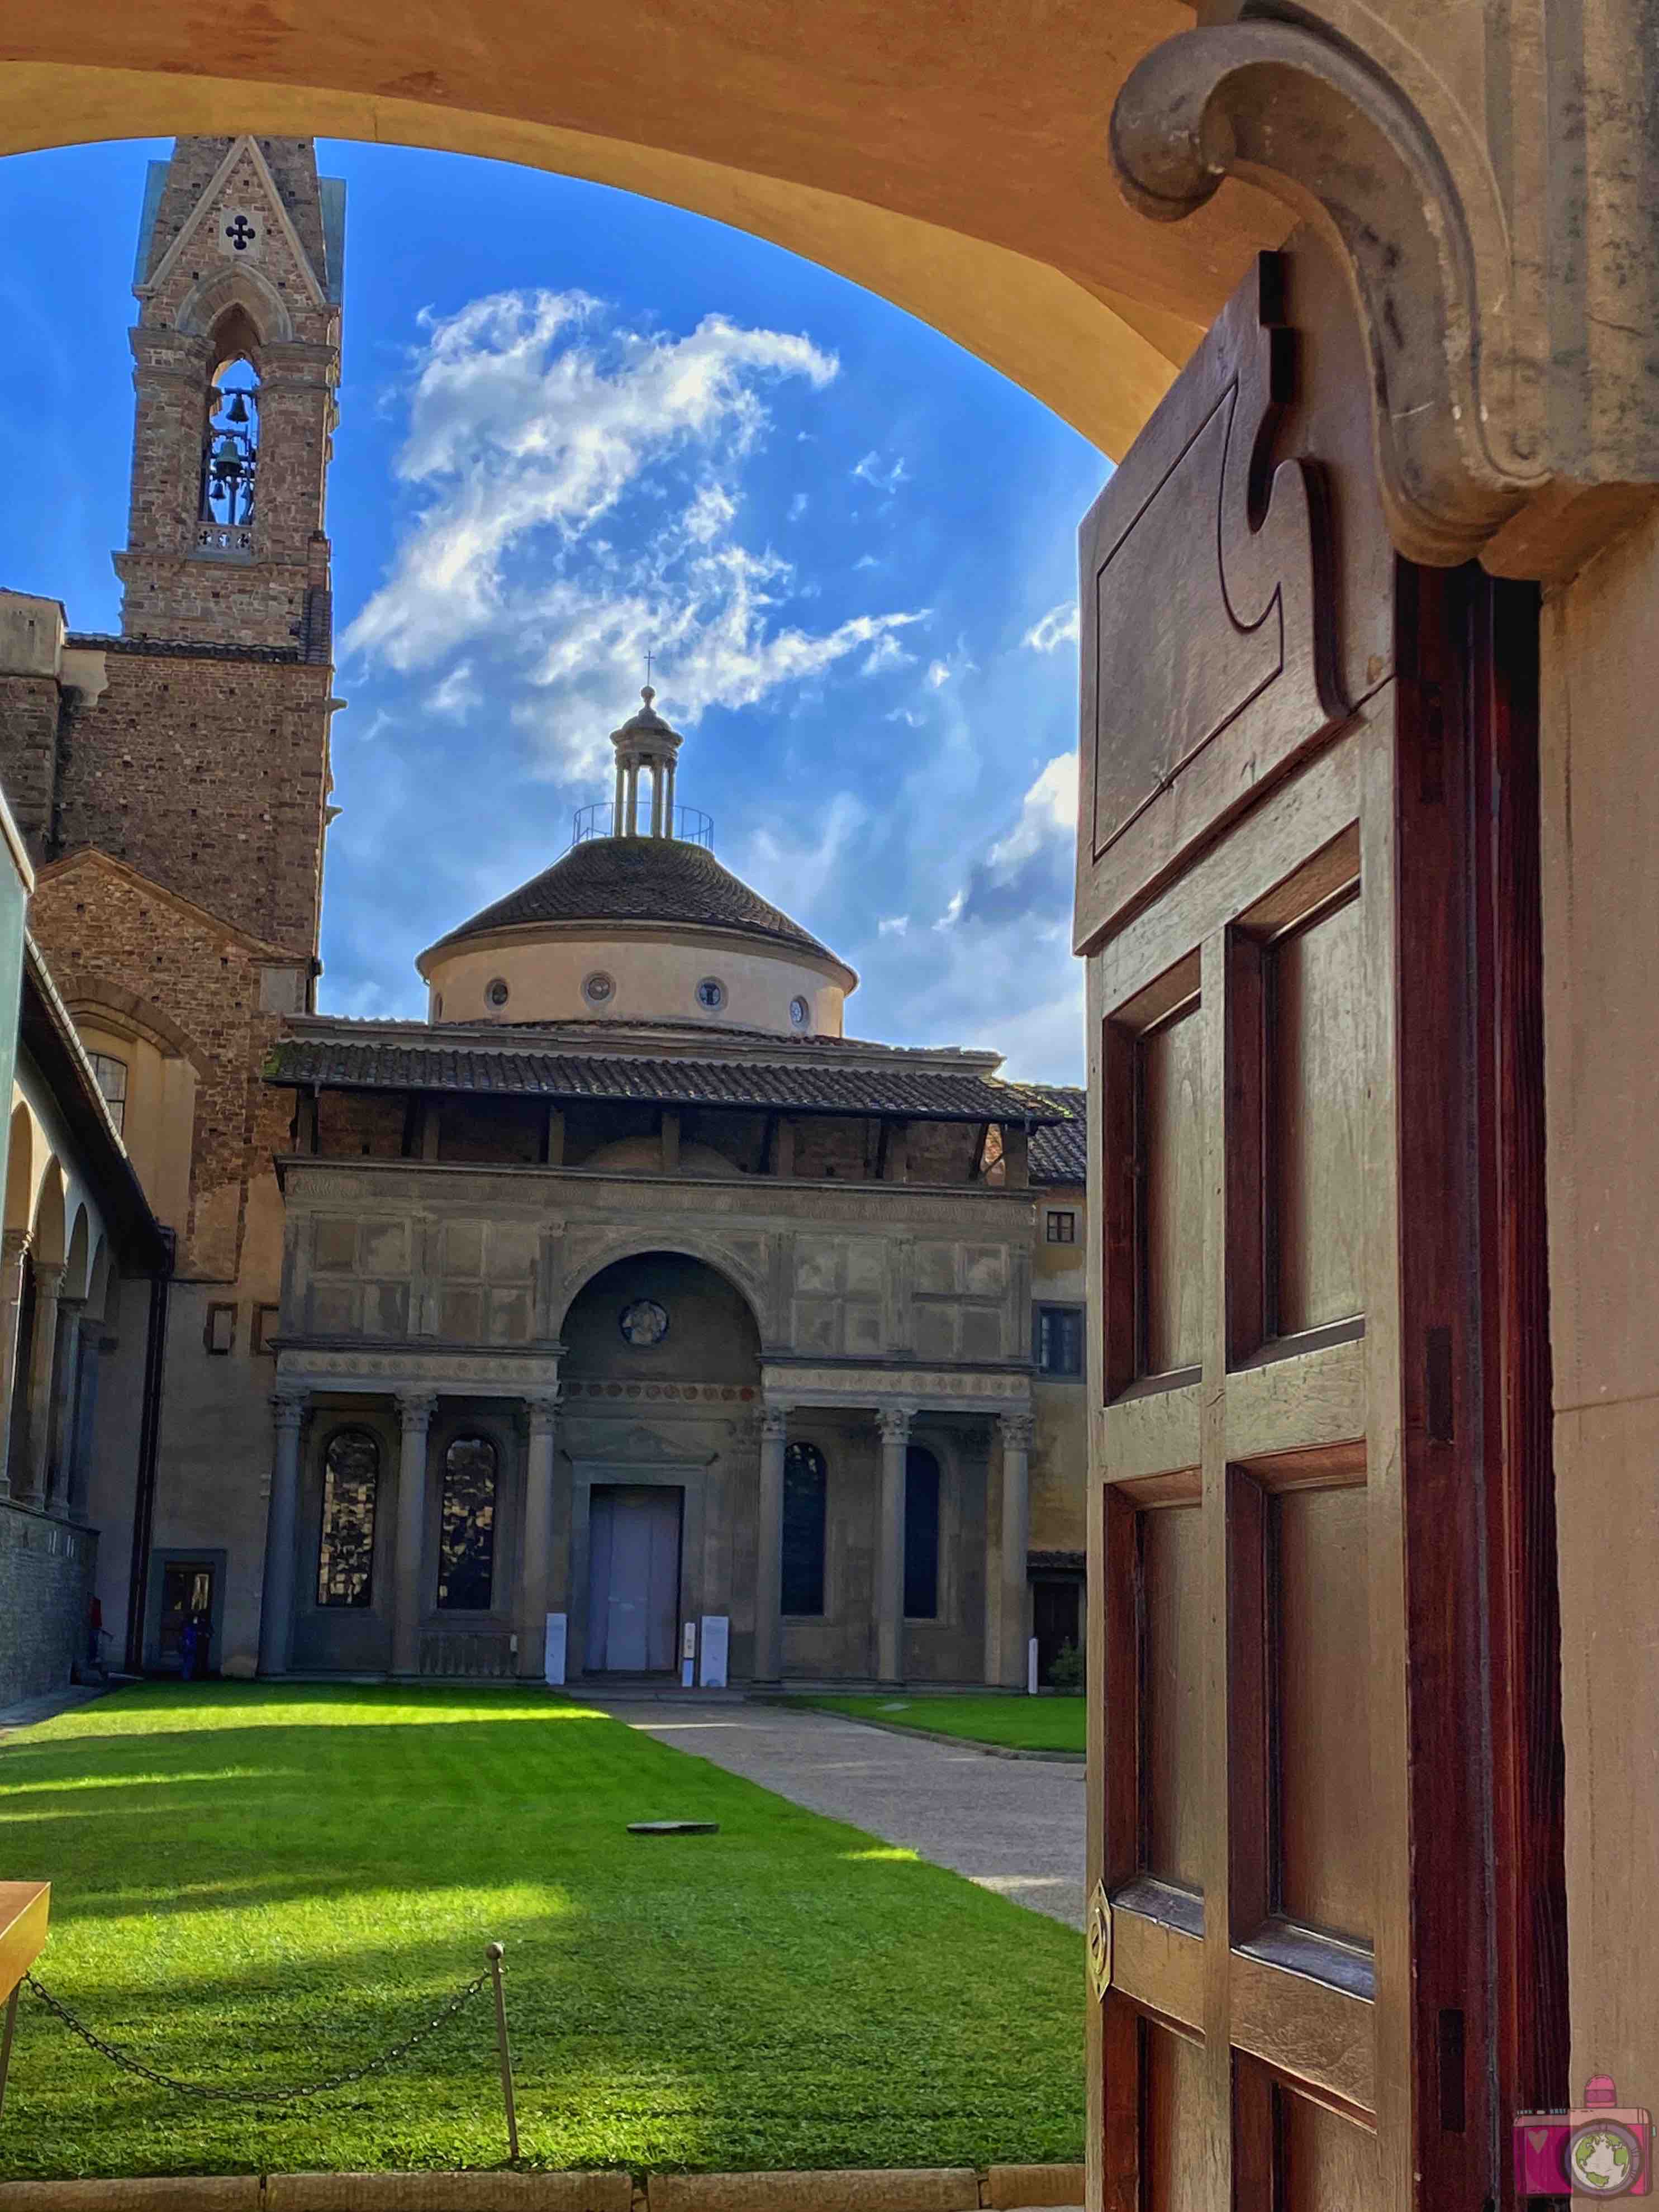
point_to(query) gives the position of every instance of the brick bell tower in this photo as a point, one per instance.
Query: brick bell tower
(173, 781)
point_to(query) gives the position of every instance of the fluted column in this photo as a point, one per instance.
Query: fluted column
(288, 1409)
(415, 1412)
(42, 1366)
(894, 1422)
(538, 1538)
(769, 1562)
(13, 1250)
(1016, 1542)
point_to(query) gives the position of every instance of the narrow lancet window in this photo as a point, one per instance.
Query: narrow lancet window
(466, 1535)
(920, 1535)
(805, 1499)
(345, 1559)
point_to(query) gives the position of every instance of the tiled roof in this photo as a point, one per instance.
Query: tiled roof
(1060, 1152)
(353, 1063)
(639, 879)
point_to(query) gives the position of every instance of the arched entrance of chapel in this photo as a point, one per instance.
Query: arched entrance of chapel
(660, 1381)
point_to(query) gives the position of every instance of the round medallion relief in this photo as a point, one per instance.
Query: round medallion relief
(711, 994)
(799, 1013)
(599, 988)
(643, 1323)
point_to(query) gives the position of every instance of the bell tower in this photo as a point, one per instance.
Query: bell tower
(236, 366)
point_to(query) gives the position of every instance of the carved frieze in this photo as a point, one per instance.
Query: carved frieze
(869, 1386)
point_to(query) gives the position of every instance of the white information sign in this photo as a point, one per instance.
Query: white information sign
(556, 1630)
(717, 1636)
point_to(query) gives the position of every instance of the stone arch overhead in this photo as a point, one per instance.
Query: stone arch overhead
(90, 997)
(205, 306)
(1053, 283)
(99, 1278)
(26, 1142)
(48, 1243)
(77, 1276)
(634, 1244)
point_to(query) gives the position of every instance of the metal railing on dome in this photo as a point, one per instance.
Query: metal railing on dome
(690, 823)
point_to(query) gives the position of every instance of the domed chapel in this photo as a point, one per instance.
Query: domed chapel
(626, 1316)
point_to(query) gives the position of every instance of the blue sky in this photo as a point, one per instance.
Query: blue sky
(574, 424)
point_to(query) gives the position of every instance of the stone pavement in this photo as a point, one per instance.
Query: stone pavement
(1013, 1825)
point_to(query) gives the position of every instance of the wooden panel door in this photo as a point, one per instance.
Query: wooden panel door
(1299, 1486)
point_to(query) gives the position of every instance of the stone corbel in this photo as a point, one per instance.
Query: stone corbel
(1288, 107)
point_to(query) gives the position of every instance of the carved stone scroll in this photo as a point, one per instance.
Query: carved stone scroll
(1209, 661)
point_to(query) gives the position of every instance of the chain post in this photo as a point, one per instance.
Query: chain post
(494, 1954)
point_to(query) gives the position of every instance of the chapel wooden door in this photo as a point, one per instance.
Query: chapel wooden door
(1320, 1663)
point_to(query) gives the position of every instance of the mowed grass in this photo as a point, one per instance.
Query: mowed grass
(262, 1884)
(1016, 1724)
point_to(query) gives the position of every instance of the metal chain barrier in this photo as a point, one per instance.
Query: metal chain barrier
(208, 2091)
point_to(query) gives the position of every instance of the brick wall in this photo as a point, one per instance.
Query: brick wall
(109, 937)
(208, 773)
(355, 1123)
(46, 1575)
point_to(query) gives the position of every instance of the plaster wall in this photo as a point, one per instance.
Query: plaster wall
(1600, 834)
(1060, 1443)
(655, 972)
(159, 1117)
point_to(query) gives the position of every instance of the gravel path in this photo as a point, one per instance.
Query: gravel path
(1014, 1824)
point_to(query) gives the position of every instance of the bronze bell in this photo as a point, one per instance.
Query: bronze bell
(237, 410)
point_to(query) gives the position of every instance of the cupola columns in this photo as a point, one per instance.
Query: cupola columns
(645, 741)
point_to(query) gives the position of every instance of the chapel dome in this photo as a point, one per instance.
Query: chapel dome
(640, 925)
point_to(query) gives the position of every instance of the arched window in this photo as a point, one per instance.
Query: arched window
(466, 1532)
(805, 1498)
(351, 1482)
(111, 1075)
(230, 451)
(920, 1534)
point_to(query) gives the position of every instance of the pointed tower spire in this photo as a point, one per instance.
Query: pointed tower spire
(236, 357)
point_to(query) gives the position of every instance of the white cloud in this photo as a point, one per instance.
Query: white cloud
(938, 671)
(952, 913)
(457, 695)
(867, 561)
(910, 719)
(797, 870)
(580, 485)
(797, 505)
(871, 471)
(887, 653)
(1057, 627)
(893, 925)
(1048, 811)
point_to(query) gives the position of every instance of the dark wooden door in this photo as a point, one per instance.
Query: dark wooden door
(1302, 1498)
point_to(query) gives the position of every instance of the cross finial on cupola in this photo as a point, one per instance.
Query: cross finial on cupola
(645, 741)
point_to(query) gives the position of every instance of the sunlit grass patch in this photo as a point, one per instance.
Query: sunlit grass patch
(1015, 1724)
(261, 1883)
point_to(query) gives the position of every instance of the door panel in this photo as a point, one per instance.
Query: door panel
(1292, 1940)
(634, 1540)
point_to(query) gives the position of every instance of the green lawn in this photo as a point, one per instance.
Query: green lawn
(1018, 1723)
(255, 1882)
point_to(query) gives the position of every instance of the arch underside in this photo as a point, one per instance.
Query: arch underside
(997, 220)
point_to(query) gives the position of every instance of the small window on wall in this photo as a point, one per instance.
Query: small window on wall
(466, 1533)
(219, 1330)
(799, 1013)
(1059, 1347)
(496, 992)
(351, 1482)
(806, 1500)
(1062, 1227)
(711, 994)
(920, 1534)
(111, 1075)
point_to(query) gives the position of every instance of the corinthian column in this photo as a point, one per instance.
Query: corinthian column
(14, 1249)
(769, 1562)
(1016, 1542)
(537, 1539)
(288, 1409)
(415, 1411)
(894, 1422)
(42, 1361)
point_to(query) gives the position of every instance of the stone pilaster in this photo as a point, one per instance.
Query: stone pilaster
(769, 1564)
(415, 1412)
(1016, 1542)
(538, 1538)
(894, 1422)
(282, 1525)
(42, 1369)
